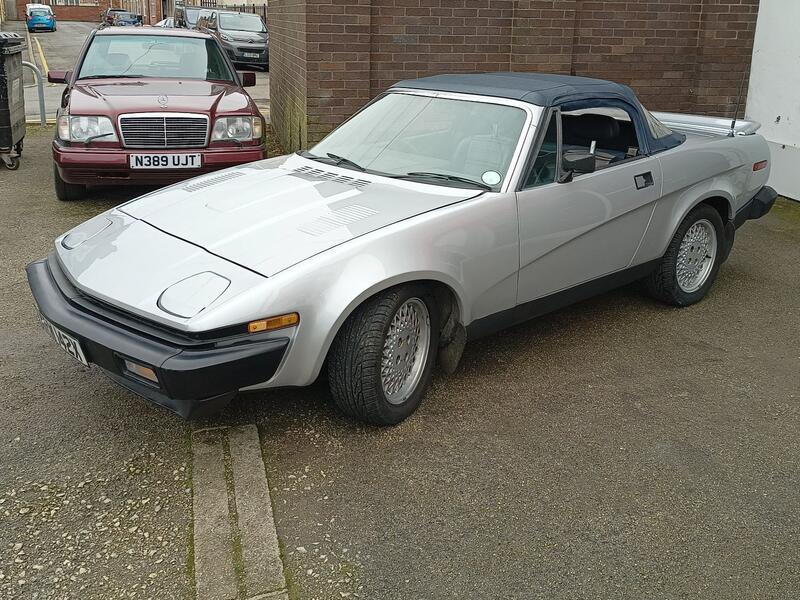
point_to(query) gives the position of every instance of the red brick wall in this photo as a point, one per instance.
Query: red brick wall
(68, 13)
(288, 68)
(680, 55)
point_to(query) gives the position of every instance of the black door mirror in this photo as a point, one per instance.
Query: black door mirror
(573, 163)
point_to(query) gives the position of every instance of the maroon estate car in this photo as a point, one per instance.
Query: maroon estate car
(151, 106)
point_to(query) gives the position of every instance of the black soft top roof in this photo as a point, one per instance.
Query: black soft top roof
(567, 91)
(536, 88)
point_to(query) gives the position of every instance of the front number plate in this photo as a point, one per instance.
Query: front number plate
(166, 161)
(250, 54)
(66, 341)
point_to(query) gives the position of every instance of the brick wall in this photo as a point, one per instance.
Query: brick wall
(679, 55)
(288, 70)
(90, 13)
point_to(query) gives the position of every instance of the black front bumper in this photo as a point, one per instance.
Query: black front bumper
(196, 376)
(756, 207)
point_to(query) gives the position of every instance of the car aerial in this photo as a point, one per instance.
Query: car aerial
(151, 106)
(243, 35)
(107, 16)
(185, 16)
(449, 207)
(168, 22)
(41, 19)
(126, 19)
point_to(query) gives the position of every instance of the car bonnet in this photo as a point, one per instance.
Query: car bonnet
(270, 215)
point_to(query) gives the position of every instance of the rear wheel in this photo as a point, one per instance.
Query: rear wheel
(691, 263)
(67, 191)
(381, 361)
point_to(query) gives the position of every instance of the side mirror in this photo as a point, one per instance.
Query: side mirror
(248, 79)
(58, 76)
(576, 162)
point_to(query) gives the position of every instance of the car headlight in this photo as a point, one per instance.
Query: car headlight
(237, 128)
(81, 129)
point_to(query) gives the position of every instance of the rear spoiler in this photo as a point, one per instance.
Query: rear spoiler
(710, 125)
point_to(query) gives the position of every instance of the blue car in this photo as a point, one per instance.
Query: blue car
(41, 20)
(126, 19)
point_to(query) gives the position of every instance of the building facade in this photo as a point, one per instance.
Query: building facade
(329, 57)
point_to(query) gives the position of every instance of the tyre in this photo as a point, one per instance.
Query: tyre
(692, 260)
(67, 191)
(381, 360)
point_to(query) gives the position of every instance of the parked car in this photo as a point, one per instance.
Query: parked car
(168, 22)
(186, 16)
(243, 35)
(34, 6)
(126, 19)
(151, 106)
(450, 207)
(107, 17)
(41, 19)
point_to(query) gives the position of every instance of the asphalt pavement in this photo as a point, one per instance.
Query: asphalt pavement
(615, 449)
(59, 50)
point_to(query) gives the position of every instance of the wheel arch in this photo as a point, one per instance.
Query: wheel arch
(443, 287)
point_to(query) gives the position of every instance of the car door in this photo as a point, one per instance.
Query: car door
(585, 228)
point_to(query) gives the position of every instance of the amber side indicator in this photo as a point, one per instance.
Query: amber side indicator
(762, 164)
(273, 323)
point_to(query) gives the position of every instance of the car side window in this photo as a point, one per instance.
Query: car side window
(545, 167)
(606, 132)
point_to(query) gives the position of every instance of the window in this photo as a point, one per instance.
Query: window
(154, 56)
(545, 167)
(657, 128)
(241, 22)
(607, 132)
(403, 133)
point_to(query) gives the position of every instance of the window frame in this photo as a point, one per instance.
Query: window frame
(536, 147)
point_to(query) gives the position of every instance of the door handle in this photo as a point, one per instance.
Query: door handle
(644, 180)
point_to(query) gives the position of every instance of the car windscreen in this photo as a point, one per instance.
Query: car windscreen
(234, 22)
(40, 13)
(191, 15)
(154, 56)
(125, 16)
(401, 134)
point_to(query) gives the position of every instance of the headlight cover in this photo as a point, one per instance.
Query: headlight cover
(242, 129)
(188, 297)
(85, 128)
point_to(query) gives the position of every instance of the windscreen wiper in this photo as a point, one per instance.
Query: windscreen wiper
(92, 138)
(341, 160)
(337, 160)
(445, 176)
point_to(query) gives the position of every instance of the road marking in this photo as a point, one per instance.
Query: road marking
(215, 577)
(236, 552)
(45, 68)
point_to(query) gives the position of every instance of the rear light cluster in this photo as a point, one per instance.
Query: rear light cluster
(762, 164)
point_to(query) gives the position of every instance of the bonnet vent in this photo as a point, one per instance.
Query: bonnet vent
(209, 181)
(328, 176)
(341, 217)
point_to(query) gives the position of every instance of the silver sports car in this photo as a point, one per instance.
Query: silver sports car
(447, 208)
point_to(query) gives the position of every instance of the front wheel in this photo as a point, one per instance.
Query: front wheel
(66, 191)
(381, 360)
(692, 260)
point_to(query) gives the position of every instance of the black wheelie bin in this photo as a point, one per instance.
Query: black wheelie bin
(12, 99)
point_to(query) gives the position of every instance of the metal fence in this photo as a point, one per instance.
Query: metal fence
(257, 9)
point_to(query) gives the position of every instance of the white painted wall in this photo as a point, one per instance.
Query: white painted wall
(773, 98)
